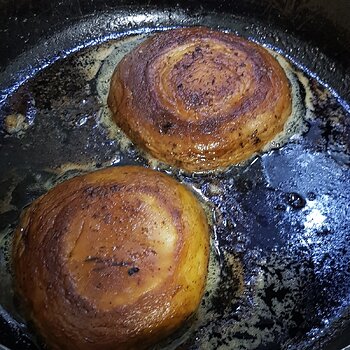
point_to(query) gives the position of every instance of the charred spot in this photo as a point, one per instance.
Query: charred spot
(133, 270)
(105, 262)
(256, 140)
(195, 99)
(88, 191)
(94, 192)
(115, 188)
(197, 53)
(107, 219)
(253, 135)
(166, 126)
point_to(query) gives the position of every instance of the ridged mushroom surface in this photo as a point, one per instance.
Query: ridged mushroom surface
(116, 259)
(200, 99)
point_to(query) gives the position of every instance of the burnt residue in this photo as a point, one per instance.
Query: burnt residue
(283, 215)
(133, 270)
(108, 262)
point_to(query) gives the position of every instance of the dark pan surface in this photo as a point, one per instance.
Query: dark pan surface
(280, 276)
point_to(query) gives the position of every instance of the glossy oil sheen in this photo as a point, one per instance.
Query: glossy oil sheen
(279, 274)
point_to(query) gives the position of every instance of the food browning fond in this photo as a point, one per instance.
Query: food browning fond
(119, 258)
(200, 99)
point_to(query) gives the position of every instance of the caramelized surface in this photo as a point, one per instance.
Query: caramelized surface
(119, 259)
(200, 99)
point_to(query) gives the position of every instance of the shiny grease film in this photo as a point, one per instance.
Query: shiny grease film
(278, 274)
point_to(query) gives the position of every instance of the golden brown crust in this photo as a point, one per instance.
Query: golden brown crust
(199, 99)
(116, 259)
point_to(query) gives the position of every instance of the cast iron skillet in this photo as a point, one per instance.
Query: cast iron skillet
(34, 34)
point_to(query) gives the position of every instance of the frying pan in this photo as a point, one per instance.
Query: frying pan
(259, 209)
